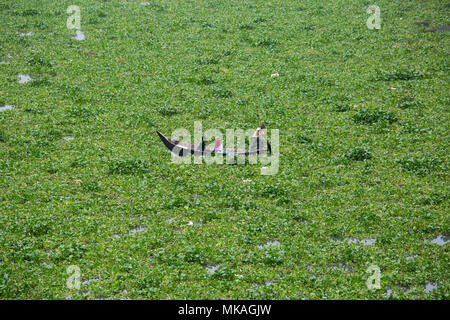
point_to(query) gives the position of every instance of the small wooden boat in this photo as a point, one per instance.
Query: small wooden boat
(181, 148)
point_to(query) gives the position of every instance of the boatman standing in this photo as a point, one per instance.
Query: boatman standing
(258, 140)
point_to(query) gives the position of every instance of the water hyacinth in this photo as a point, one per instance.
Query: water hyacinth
(362, 183)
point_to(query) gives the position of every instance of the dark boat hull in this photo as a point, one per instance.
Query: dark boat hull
(182, 149)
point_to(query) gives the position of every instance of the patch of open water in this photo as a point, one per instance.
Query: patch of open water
(212, 269)
(138, 230)
(6, 107)
(80, 36)
(430, 286)
(342, 266)
(366, 242)
(440, 240)
(275, 243)
(23, 78)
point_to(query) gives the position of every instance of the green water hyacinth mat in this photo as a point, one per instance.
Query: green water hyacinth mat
(91, 206)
